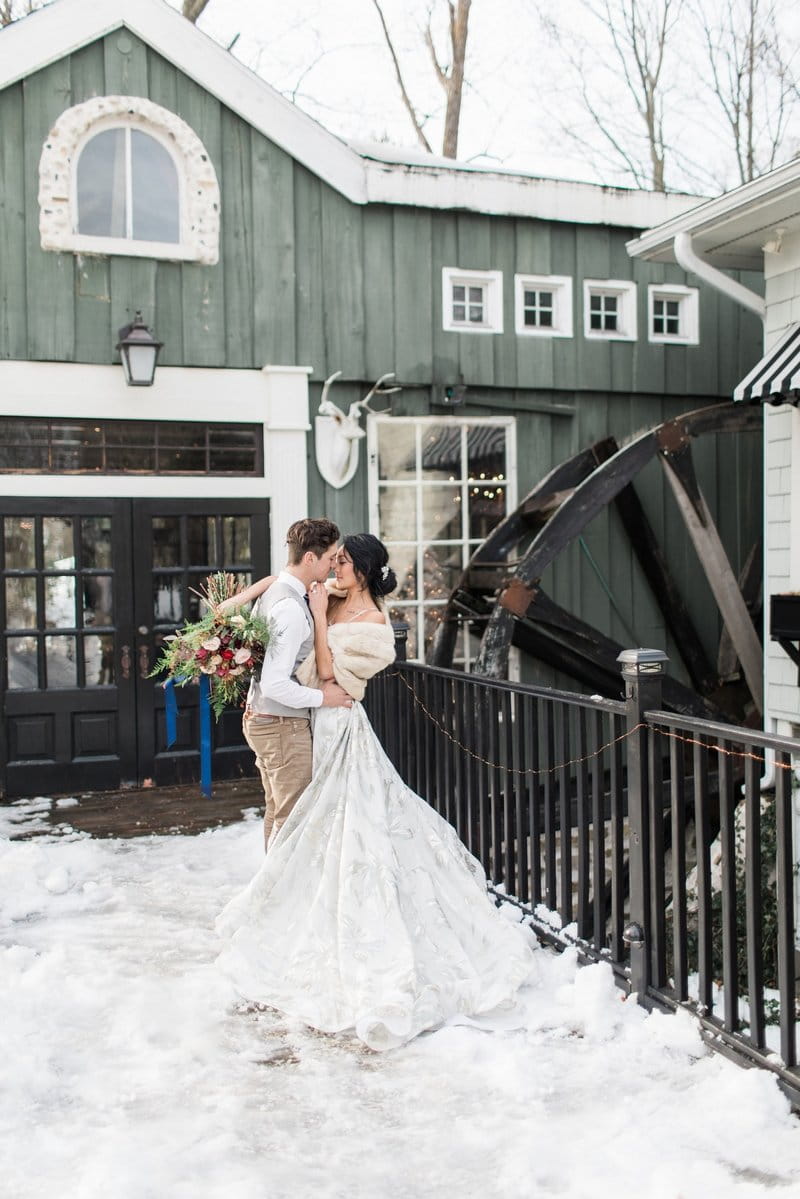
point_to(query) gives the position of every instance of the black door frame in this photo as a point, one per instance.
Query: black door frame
(45, 772)
(181, 763)
(133, 701)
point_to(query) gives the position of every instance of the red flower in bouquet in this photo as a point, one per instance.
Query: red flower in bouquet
(204, 647)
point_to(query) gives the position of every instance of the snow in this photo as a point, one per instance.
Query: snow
(132, 1071)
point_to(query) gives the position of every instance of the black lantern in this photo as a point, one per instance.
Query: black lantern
(139, 350)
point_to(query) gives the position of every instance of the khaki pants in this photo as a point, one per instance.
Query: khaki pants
(282, 745)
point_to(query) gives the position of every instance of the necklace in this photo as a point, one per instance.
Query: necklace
(344, 613)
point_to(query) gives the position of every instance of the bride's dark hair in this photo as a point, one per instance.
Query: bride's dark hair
(371, 562)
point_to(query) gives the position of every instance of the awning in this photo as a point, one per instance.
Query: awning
(776, 378)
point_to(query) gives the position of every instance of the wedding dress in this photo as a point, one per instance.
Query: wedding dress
(368, 913)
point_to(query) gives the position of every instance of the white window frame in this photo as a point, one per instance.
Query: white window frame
(625, 291)
(416, 607)
(198, 188)
(128, 244)
(561, 287)
(688, 313)
(491, 282)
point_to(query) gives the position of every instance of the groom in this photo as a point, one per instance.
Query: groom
(276, 720)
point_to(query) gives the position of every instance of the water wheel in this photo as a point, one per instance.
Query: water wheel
(499, 593)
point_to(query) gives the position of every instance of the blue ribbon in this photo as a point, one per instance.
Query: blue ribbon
(170, 712)
(205, 735)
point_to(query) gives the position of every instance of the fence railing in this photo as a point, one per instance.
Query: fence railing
(642, 837)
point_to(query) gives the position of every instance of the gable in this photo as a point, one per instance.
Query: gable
(66, 26)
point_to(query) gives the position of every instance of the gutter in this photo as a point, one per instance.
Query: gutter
(690, 260)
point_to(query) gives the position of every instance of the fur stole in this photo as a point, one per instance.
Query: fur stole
(359, 651)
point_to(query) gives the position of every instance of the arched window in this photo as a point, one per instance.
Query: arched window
(127, 186)
(121, 175)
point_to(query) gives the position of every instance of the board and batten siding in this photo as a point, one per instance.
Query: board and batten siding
(307, 277)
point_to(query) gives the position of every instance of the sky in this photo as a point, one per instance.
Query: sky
(332, 60)
(131, 1070)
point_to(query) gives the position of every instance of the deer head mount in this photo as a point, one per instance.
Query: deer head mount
(337, 433)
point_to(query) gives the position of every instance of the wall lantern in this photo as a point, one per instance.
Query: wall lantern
(139, 350)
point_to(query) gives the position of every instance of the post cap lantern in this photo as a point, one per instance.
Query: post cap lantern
(139, 351)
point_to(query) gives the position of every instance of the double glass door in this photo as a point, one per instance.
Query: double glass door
(90, 588)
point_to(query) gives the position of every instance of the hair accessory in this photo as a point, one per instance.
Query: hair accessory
(385, 572)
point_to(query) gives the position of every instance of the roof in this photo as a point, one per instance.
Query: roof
(732, 230)
(362, 176)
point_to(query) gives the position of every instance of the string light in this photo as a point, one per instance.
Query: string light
(742, 754)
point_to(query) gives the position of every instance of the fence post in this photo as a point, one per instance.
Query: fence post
(400, 639)
(643, 671)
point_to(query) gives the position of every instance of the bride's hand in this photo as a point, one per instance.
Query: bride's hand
(318, 600)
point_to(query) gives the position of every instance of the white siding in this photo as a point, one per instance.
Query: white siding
(782, 489)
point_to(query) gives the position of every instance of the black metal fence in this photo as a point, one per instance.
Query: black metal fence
(642, 837)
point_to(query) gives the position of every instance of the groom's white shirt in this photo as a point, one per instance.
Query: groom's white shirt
(291, 630)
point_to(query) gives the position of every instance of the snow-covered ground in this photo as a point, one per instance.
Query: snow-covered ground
(131, 1071)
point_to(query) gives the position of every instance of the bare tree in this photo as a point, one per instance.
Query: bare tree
(12, 10)
(623, 88)
(192, 9)
(751, 81)
(450, 75)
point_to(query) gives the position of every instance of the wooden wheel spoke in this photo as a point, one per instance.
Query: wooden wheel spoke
(507, 603)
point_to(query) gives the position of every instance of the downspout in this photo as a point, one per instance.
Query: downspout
(690, 260)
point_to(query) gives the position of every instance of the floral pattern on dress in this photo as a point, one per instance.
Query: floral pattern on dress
(368, 913)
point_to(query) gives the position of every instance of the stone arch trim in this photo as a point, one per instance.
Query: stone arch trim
(200, 198)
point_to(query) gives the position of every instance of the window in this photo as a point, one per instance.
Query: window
(437, 488)
(543, 305)
(121, 175)
(609, 309)
(80, 447)
(673, 314)
(127, 186)
(472, 302)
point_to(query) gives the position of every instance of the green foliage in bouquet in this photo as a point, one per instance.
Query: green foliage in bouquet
(227, 646)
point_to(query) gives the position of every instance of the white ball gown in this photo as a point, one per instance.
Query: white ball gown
(368, 914)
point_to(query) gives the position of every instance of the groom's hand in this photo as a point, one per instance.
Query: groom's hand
(334, 696)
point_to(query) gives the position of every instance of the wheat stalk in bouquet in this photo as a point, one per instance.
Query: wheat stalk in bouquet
(229, 647)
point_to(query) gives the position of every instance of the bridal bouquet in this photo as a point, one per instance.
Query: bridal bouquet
(227, 646)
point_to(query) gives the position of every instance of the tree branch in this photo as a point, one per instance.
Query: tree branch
(412, 112)
(192, 9)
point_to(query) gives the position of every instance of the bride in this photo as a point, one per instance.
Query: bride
(368, 913)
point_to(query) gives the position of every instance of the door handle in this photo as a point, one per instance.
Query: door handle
(144, 661)
(125, 662)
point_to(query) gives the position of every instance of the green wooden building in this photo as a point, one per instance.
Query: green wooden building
(144, 170)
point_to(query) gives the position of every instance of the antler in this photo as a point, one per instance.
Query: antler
(327, 386)
(377, 389)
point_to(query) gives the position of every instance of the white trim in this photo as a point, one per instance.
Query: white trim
(561, 287)
(688, 313)
(733, 226)
(491, 282)
(275, 396)
(63, 27)
(445, 183)
(626, 310)
(419, 423)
